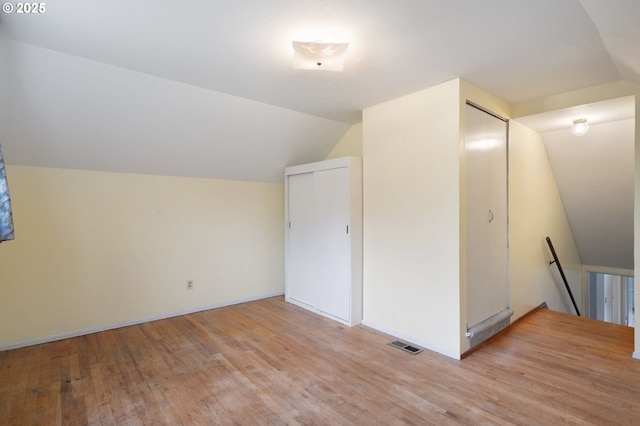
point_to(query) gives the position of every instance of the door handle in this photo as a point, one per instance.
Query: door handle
(490, 216)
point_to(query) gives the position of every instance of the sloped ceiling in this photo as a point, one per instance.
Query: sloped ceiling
(596, 181)
(207, 89)
(595, 176)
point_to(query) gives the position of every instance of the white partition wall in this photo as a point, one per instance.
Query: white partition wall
(411, 152)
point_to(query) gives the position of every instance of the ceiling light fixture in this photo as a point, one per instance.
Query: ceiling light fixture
(309, 55)
(580, 127)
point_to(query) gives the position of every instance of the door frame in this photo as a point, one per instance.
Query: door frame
(586, 269)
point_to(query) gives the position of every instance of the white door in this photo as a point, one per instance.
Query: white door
(486, 185)
(615, 299)
(334, 255)
(301, 256)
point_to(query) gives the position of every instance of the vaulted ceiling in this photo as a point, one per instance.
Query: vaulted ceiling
(207, 89)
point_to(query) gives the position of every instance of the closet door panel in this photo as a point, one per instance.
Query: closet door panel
(302, 253)
(478, 216)
(496, 130)
(333, 242)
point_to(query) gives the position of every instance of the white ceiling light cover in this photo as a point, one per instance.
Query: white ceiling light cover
(580, 127)
(309, 55)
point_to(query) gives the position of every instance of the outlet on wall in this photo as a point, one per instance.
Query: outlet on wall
(189, 284)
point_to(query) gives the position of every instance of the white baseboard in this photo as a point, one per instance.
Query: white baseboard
(128, 323)
(636, 355)
(411, 339)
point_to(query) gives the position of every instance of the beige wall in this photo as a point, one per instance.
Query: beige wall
(535, 212)
(411, 217)
(94, 250)
(350, 145)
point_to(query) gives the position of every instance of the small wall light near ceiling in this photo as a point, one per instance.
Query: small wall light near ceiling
(580, 127)
(309, 55)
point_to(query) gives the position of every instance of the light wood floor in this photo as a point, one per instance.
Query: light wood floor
(269, 362)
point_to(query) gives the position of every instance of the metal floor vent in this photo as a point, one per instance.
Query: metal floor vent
(405, 347)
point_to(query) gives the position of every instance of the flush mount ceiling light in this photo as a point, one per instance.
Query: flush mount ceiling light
(309, 55)
(580, 127)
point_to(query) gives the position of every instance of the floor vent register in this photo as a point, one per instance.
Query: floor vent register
(405, 347)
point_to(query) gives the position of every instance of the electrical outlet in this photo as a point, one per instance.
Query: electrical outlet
(189, 284)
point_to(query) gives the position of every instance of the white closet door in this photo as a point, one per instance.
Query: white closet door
(486, 184)
(498, 244)
(333, 238)
(302, 257)
(323, 258)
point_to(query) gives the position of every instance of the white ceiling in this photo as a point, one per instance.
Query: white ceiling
(517, 50)
(207, 89)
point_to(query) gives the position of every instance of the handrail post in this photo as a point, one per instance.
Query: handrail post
(564, 279)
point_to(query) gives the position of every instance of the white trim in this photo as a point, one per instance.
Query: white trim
(313, 309)
(412, 339)
(49, 339)
(636, 355)
(334, 163)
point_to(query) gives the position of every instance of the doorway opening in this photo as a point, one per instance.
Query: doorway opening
(610, 298)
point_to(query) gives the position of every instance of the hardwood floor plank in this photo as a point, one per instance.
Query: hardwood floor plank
(268, 363)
